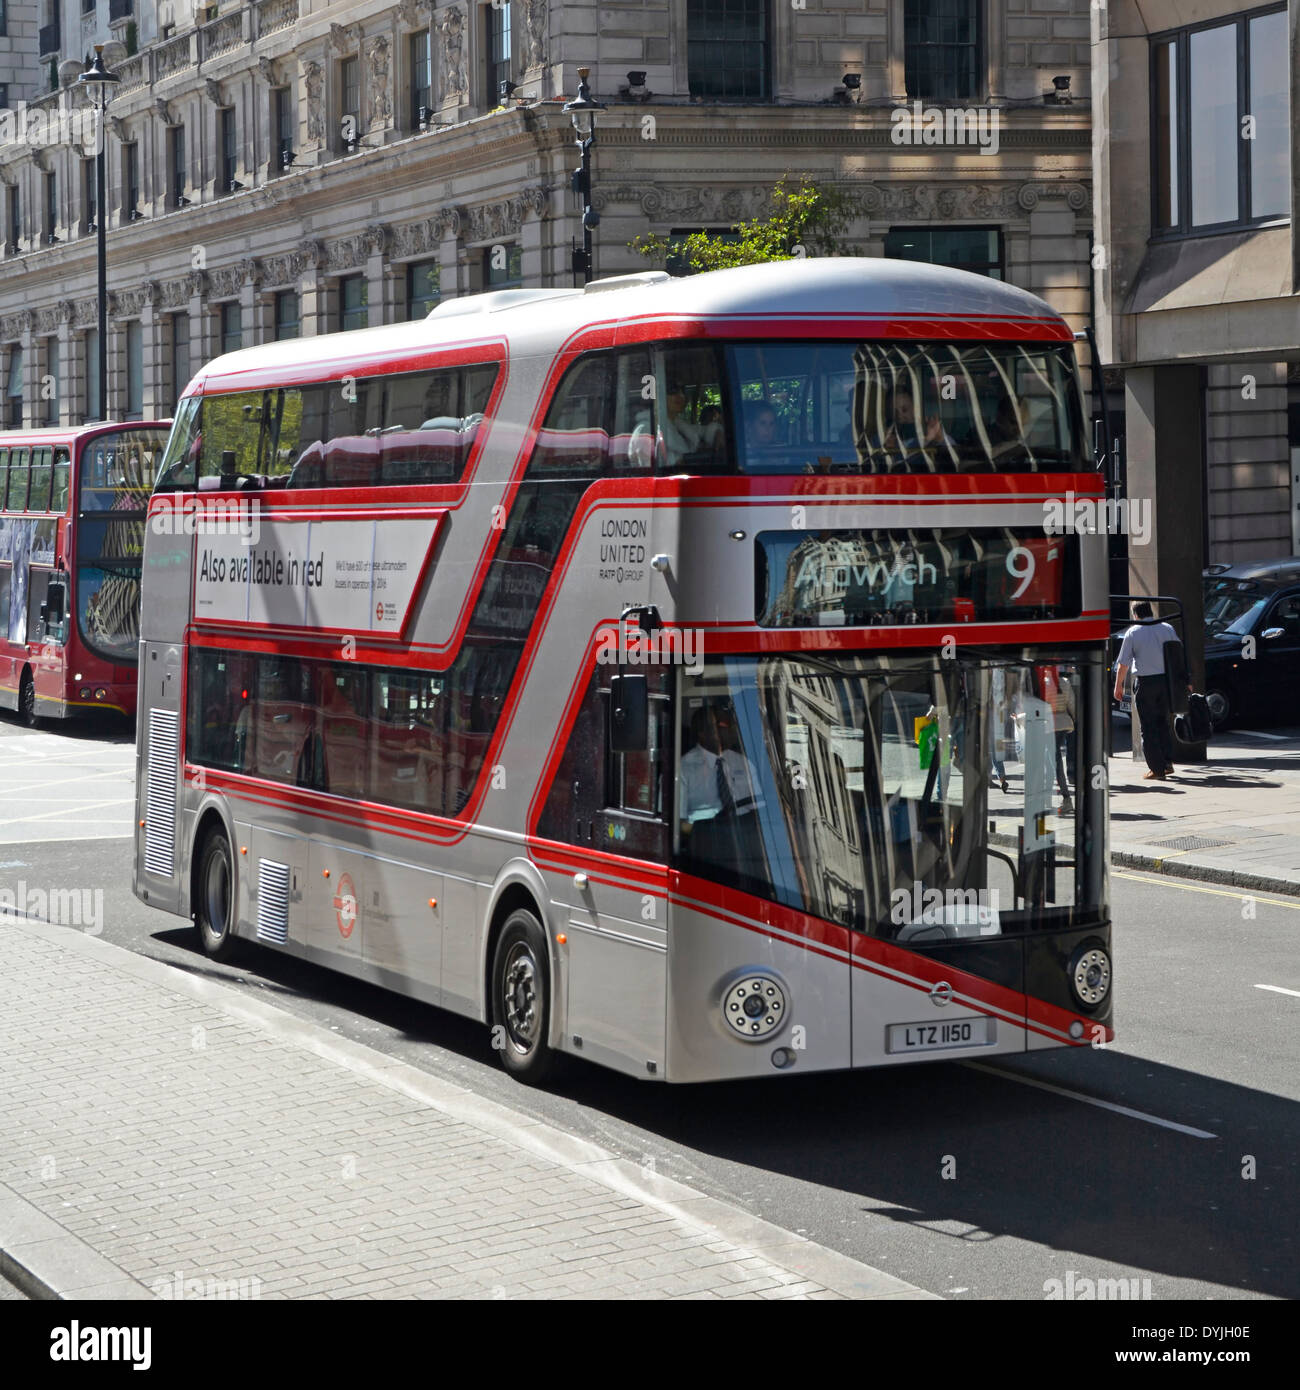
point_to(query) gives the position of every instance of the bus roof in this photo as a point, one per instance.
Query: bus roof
(855, 292)
(66, 434)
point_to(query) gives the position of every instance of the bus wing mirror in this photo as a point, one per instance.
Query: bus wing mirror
(629, 714)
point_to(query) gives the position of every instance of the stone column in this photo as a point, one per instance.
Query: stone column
(313, 291)
(204, 330)
(248, 311)
(72, 374)
(1166, 476)
(155, 398)
(381, 291)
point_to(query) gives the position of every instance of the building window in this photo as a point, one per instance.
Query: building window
(14, 389)
(4, 86)
(354, 302)
(288, 316)
(977, 249)
(131, 182)
(503, 267)
(176, 164)
(232, 327)
(180, 353)
(422, 288)
(727, 47)
(51, 207)
(91, 342)
(498, 50)
(420, 66)
(283, 123)
(229, 150)
(1220, 125)
(349, 102)
(134, 370)
(941, 47)
(15, 218)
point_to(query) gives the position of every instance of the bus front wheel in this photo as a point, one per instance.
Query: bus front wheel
(214, 911)
(521, 999)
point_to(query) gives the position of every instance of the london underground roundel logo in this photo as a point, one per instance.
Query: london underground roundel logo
(345, 906)
(379, 612)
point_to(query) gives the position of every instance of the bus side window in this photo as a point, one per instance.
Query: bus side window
(42, 468)
(634, 414)
(17, 499)
(574, 439)
(4, 476)
(62, 481)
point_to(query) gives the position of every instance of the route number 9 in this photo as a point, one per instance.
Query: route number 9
(1020, 565)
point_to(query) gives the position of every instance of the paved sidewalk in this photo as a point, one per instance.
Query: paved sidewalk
(162, 1136)
(1233, 819)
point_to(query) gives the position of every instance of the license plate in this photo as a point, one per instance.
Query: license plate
(935, 1037)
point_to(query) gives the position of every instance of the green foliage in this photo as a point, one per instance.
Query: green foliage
(809, 217)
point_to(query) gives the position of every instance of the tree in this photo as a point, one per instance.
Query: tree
(808, 220)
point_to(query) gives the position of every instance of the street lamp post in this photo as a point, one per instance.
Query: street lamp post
(583, 110)
(98, 79)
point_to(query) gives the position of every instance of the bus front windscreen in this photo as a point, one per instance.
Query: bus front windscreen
(908, 797)
(891, 406)
(114, 481)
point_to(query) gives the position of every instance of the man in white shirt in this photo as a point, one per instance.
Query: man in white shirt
(1143, 651)
(717, 781)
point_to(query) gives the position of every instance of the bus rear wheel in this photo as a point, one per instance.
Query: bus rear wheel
(214, 908)
(521, 999)
(27, 700)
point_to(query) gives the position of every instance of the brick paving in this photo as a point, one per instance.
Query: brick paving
(182, 1133)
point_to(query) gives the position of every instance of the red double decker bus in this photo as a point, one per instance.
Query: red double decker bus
(72, 515)
(691, 676)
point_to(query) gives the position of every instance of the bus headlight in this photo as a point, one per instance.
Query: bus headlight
(1090, 974)
(754, 1006)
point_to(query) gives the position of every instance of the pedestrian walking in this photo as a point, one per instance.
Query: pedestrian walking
(1143, 652)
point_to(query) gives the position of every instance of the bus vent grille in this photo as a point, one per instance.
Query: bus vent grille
(160, 805)
(272, 902)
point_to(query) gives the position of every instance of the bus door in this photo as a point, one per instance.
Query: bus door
(615, 907)
(936, 973)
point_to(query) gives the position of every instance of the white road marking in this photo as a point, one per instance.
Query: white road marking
(1277, 989)
(1092, 1100)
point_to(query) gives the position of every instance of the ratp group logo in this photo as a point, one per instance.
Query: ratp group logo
(345, 906)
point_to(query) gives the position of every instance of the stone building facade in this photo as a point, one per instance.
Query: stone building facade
(290, 167)
(1197, 289)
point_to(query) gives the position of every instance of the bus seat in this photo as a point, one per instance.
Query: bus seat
(309, 468)
(352, 461)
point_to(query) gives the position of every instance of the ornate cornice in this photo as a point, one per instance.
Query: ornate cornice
(911, 199)
(491, 221)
